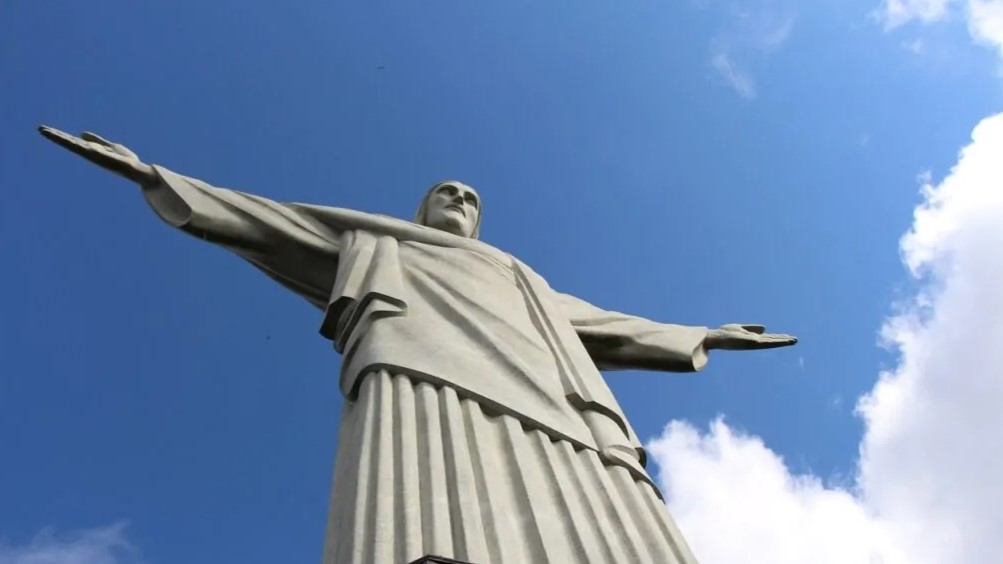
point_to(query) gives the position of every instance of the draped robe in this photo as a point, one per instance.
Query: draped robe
(477, 425)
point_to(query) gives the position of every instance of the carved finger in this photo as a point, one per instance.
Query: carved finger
(96, 153)
(88, 136)
(55, 135)
(776, 337)
(767, 345)
(67, 141)
(754, 328)
(779, 340)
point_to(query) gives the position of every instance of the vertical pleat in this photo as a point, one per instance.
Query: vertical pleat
(622, 544)
(620, 514)
(435, 518)
(381, 514)
(468, 530)
(537, 513)
(500, 510)
(406, 485)
(567, 501)
(592, 475)
(346, 480)
(654, 542)
(353, 503)
(593, 521)
(421, 471)
(667, 528)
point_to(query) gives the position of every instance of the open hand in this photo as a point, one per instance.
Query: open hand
(745, 337)
(104, 153)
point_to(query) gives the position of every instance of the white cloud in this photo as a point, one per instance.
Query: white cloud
(933, 422)
(985, 23)
(737, 77)
(744, 42)
(894, 13)
(737, 502)
(104, 545)
(927, 489)
(983, 17)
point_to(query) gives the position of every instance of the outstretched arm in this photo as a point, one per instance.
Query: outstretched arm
(617, 341)
(289, 246)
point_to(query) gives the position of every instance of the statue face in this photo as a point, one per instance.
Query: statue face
(453, 207)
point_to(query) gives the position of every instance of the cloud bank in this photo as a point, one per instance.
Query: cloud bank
(927, 488)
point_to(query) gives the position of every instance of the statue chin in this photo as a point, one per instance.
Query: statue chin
(453, 226)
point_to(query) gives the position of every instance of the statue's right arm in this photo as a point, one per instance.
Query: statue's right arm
(295, 250)
(244, 223)
(292, 248)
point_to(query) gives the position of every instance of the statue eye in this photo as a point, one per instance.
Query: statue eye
(470, 199)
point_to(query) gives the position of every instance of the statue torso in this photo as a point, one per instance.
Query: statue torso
(471, 324)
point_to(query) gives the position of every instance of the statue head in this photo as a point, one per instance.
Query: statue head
(453, 207)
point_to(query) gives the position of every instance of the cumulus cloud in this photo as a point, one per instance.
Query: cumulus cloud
(894, 13)
(934, 423)
(927, 487)
(983, 17)
(745, 41)
(103, 545)
(737, 502)
(985, 23)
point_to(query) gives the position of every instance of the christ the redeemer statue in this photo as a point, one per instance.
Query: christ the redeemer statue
(476, 424)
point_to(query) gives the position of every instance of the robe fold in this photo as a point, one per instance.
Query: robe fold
(473, 391)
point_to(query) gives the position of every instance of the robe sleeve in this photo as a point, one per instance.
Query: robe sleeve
(617, 341)
(279, 239)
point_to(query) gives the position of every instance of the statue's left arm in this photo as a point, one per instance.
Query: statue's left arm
(617, 341)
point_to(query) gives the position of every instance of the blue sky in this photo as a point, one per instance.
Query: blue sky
(693, 162)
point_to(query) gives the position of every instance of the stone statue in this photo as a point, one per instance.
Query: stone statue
(476, 425)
